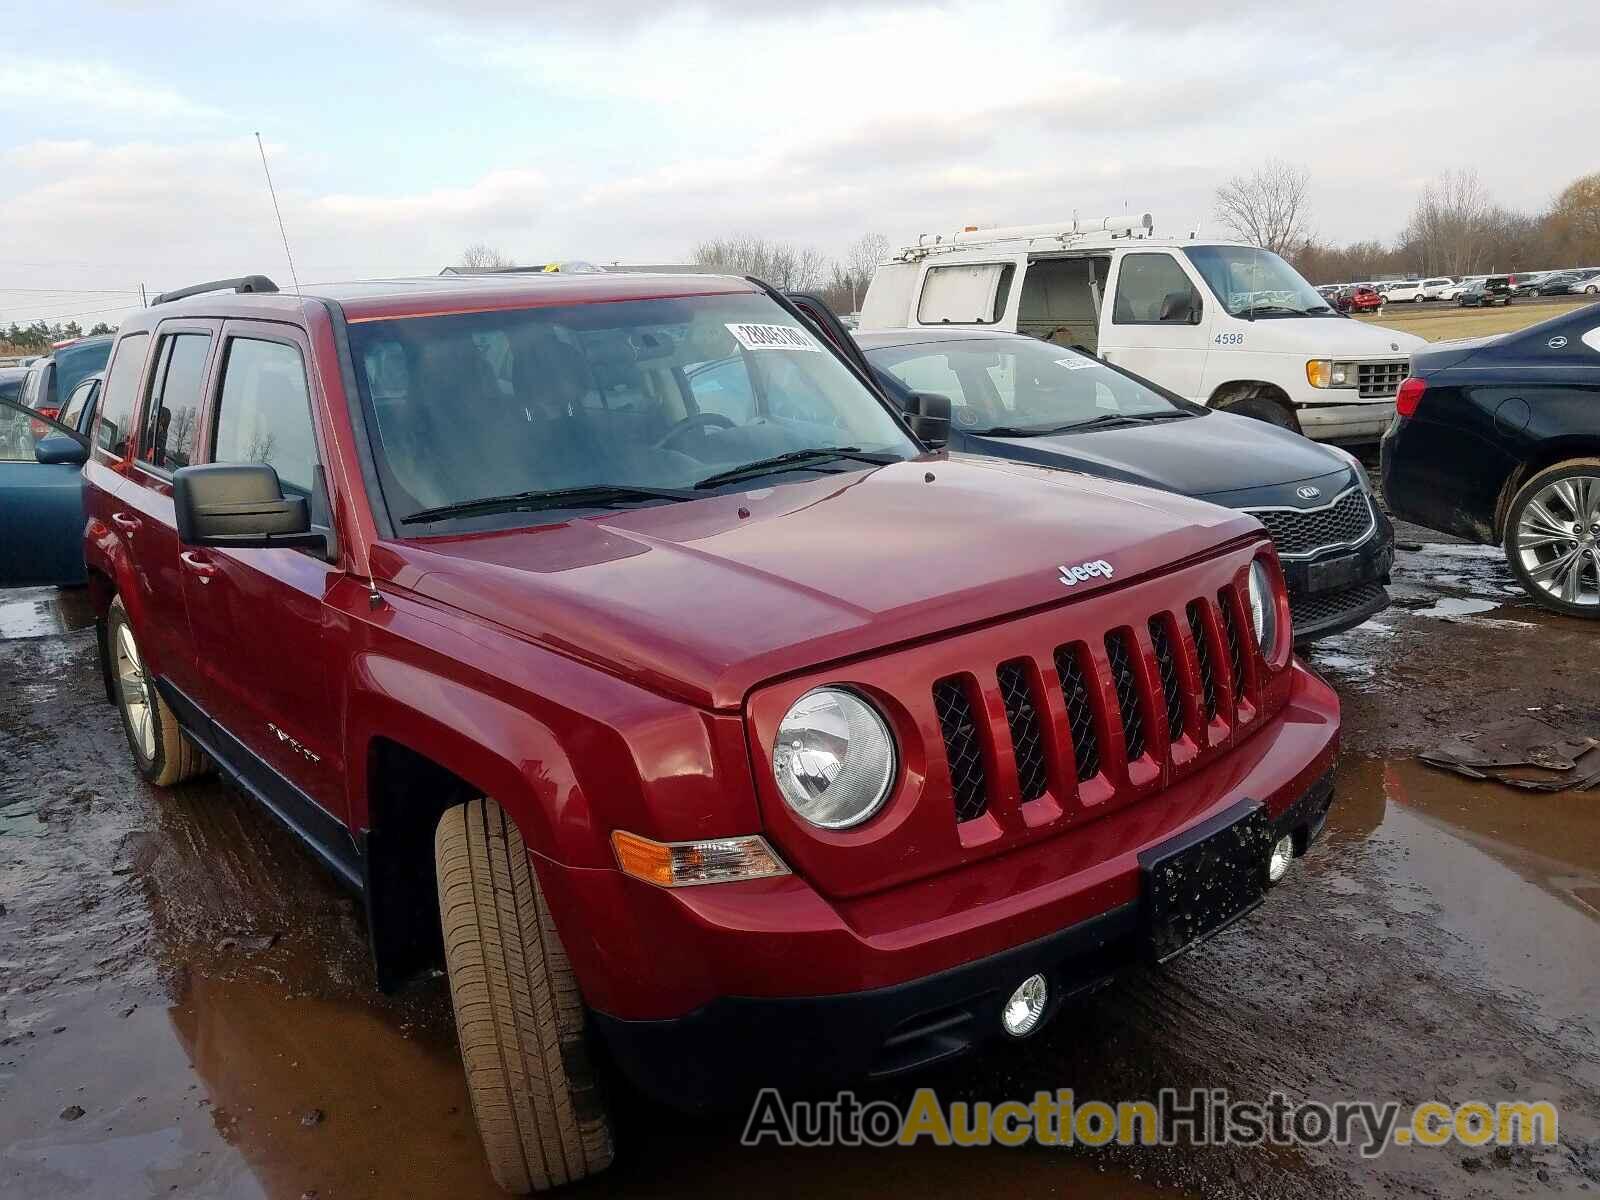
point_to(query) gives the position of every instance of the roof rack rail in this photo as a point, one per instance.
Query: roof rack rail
(244, 283)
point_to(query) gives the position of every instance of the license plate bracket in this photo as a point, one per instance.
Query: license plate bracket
(1333, 573)
(1200, 882)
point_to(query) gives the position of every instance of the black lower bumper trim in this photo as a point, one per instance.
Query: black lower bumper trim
(729, 1049)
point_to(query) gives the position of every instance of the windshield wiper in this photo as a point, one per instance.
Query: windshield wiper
(591, 495)
(798, 459)
(1110, 418)
(1283, 310)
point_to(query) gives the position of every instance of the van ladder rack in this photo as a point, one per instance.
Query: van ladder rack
(244, 283)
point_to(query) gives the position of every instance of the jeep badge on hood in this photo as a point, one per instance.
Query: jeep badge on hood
(1098, 569)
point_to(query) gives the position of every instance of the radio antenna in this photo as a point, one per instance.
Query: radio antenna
(283, 233)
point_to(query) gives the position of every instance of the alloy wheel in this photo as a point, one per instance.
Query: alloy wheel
(134, 687)
(1558, 539)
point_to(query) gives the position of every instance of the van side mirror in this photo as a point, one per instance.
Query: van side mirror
(240, 506)
(928, 414)
(60, 450)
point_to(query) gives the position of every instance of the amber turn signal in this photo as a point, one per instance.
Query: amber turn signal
(682, 864)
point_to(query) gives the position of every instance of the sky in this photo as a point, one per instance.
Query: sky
(398, 132)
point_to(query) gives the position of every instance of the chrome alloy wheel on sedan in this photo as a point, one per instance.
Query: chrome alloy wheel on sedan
(1554, 545)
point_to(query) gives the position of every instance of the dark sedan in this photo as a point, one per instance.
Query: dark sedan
(1019, 398)
(1498, 440)
(1496, 289)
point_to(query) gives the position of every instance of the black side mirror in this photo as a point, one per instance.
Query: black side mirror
(240, 506)
(928, 414)
(60, 450)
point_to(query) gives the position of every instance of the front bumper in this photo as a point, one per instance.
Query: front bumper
(790, 987)
(731, 1048)
(1354, 421)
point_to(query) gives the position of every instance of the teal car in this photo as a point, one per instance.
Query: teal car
(41, 489)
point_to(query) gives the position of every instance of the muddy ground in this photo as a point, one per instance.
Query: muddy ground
(175, 967)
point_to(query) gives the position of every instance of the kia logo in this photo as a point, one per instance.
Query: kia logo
(1557, 342)
(1308, 492)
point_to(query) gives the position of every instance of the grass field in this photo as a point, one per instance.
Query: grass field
(1442, 322)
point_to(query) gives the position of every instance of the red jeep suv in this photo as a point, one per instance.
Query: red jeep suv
(632, 656)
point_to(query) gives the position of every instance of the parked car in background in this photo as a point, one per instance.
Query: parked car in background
(1527, 283)
(41, 492)
(1432, 287)
(1496, 289)
(1017, 398)
(624, 648)
(1451, 291)
(1585, 283)
(11, 379)
(1410, 291)
(52, 378)
(1498, 440)
(1360, 298)
(1556, 283)
(1230, 326)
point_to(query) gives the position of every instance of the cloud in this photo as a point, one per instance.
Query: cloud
(93, 89)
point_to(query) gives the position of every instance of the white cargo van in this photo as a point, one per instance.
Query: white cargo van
(1224, 324)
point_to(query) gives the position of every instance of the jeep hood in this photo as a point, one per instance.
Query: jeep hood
(1210, 454)
(705, 600)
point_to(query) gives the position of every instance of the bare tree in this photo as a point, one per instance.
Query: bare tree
(778, 263)
(480, 256)
(1451, 226)
(1267, 208)
(861, 263)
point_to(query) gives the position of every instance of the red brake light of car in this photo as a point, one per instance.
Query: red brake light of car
(1409, 396)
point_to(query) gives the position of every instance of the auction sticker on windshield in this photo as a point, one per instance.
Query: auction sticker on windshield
(773, 337)
(1074, 364)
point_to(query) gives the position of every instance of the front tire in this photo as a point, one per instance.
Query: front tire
(1552, 538)
(519, 1015)
(163, 752)
(1263, 408)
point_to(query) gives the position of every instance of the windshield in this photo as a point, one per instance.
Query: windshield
(1018, 383)
(1253, 282)
(640, 394)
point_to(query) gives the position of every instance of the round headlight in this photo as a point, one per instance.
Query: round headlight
(1263, 608)
(834, 758)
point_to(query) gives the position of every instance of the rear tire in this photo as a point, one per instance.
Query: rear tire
(1540, 534)
(519, 1015)
(163, 752)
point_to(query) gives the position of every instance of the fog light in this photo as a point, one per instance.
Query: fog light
(1025, 1008)
(1282, 856)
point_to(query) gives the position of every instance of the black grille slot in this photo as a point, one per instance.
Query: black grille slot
(968, 785)
(1345, 522)
(1120, 651)
(1202, 651)
(1230, 630)
(1023, 717)
(1168, 664)
(1080, 715)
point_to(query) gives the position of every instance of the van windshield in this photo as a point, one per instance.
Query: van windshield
(1020, 386)
(598, 404)
(1251, 282)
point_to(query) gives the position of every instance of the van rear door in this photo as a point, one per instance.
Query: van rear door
(1157, 323)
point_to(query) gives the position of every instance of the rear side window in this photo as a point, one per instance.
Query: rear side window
(965, 295)
(264, 413)
(1143, 288)
(114, 432)
(174, 408)
(30, 386)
